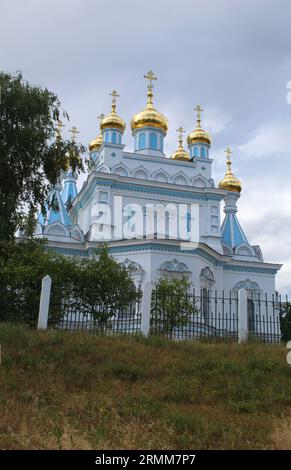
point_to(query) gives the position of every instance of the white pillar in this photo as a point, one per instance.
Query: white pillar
(44, 303)
(146, 308)
(242, 315)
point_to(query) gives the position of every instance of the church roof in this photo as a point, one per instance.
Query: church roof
(231, 231)
(57, 212)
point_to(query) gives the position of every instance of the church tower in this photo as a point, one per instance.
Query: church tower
(199, 141)
(112, 126)
(149, 127)
(232, 233)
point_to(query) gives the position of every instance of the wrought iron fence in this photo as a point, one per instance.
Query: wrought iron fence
(203, 315)
(264, 318)
(195, 315)
(68, 312)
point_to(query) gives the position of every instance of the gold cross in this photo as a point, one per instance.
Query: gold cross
(150, 76)
(114, 95)
(228, 153)
(74, 131)
(181, 131)
(198, 110)
(59, 128)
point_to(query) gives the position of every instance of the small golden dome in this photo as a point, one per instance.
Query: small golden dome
(95, 144)
(181, 153)
(149, 116)
(199, 135)
(230, 182)
(112, 120)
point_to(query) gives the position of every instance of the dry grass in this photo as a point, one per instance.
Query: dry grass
(74, 391)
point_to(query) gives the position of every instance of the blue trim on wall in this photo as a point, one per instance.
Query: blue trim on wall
(144, 189)
(168, 249)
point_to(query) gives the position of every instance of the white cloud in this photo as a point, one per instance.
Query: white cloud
(272, 138)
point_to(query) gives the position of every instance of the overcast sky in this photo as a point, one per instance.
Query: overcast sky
(233, 57)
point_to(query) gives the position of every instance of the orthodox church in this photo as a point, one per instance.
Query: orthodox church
(143, 191)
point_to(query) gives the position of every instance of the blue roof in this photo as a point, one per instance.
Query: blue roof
(57, 214)
(231, 231)
(69, 191)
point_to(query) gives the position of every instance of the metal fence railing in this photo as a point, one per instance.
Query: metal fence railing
(67, 312)
(203, 315)
(195, 315)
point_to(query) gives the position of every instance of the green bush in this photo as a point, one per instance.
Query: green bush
(96, 286)
(172, 305)
(285, 322)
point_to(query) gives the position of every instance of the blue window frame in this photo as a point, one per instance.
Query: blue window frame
(142, 141)
(188, 222)
(203, 153)
(153, 141)
(196, 152)
(113, 137)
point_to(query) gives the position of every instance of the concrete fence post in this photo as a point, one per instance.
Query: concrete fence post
(146, 308)
(44, 302)
(242, 316)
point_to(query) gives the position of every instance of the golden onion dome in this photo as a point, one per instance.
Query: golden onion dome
(230, 182)
(112, 120)
(96, 143)
(149, 116)
(198, 134)
(181, 153)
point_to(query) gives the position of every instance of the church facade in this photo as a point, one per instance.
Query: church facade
(160, 215)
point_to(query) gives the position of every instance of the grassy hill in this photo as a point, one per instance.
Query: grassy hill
(66, 391)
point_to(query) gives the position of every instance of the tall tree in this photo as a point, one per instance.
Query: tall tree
(32, 154)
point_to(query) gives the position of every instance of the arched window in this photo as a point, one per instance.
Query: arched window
(203, 153)
(161, 144)
(153, 141)
(142, 141)
(113, 137)
(196, 152)
(106, 136)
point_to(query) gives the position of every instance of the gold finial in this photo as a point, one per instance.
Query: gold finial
(59, 129)
(114, 95)
(228, 157)
(101, 117)
(228, 153)
(150, 77)
(74, 131)
(198, 110)
(181, 131)
(230, 182)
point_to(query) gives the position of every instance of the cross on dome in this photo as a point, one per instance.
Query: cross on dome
(150, 77)
(74, 131)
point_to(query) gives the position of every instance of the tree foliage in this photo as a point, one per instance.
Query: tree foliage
(103, 288)
(97, 286)
(285, 322)
(31, 156)
(172, 306)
